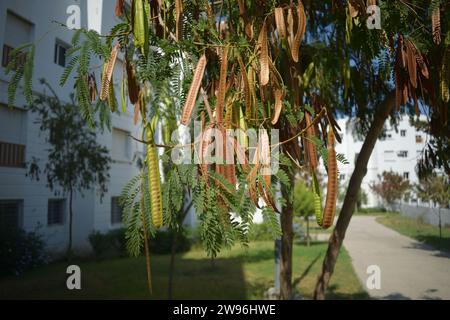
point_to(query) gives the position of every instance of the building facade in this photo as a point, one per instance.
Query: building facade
(399, 151)
(29, 204)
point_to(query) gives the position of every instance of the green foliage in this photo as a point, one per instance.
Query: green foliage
(76, 161)
(22, 69)
(20, 251)
(109, 245)
(391, 187)
(303, 199)
(434, 188)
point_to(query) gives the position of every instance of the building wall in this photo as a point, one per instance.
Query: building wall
(90, 212)
(385, 156)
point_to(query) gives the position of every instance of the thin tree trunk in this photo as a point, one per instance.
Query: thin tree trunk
(338, 234)
(286, 220)
(307, 232)
(440, 226)
(69, 247)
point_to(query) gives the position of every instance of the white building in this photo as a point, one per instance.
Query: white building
(399, 152)
(30, 204)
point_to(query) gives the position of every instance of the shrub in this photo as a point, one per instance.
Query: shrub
(162, 243)
(20, 251)
(109, 245)
(260, 232)
(113, 243)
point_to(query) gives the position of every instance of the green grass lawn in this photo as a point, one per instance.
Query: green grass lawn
(416, 229)
(236, 274)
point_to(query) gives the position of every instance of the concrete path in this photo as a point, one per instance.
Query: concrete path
(408, 269)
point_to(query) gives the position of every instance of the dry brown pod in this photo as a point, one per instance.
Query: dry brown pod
(310, 149)
(301, 29)
(412, 63)
(108, 73)
(179, 19)
(133, 88)
(264, 56)
(119, 7)
(222, 90)
(290, 24)
(280, 23)
(332, 184)
(193, 91)
(436, 25)
(278, 105)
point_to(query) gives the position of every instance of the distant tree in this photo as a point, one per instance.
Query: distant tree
(303, 204)
(391, 187)
(435, 188)
(76, 161)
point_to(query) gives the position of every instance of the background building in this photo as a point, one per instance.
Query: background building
(29, 204)
(399, 151)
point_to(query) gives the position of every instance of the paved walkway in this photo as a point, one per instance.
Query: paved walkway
(409, 269)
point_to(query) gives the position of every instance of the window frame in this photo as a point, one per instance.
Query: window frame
(115, 205)
(19, 203)
(62, 220)
(56, 53)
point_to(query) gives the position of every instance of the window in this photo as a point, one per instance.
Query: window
(56, 211)
(419, 139)
(60, 53)
(12, 155)
(403, 133)
(12, 137)
(402, 154)
(342, 176)
(17, 32)
(116, 211)
(11, 214)
(7, 57)
(406, 175)
(120, 145)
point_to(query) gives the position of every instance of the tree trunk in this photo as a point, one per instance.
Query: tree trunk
(286, 219)
(440, 226)
(338, 234)
(307, 232)
(69, 247)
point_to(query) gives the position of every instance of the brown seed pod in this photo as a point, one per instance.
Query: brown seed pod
(222, 90)
(290, 24)
(301, 28)
(133, 87)
(193, 91)
(310, 148)
(279, 21)
(436, 25)
(119, 7)
(264, 56)
(179, 19)
(278, 105)
(108, 72)
(332, 185)
(412, 63)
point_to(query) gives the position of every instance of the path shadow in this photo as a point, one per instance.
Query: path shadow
(307, 270)
(431, 243)
(333, 294)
